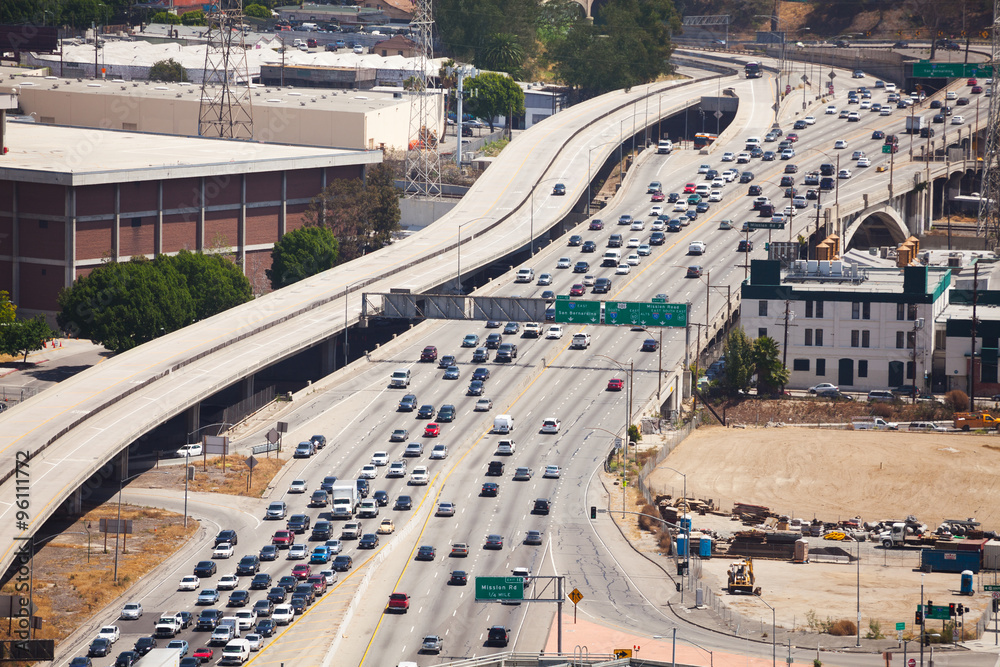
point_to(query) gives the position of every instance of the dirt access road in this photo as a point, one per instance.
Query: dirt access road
(832, 475)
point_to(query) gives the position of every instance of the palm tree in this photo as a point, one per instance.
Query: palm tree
(771, 373)
(501, 52)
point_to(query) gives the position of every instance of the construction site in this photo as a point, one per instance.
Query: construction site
(831, 525)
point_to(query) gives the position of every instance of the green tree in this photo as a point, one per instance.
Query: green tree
(214, 282)
(165, 17)
(124, 304)
(197, 17)
(8, 311)
(494, 94)
(363, 216)
(500, 52)
(302, 253)
(257, 11)
(468, 26)
(81, 14)
(557, 17)
(740, 368)
(24, 336)
(168, 70)
(771, 373)
(628, 44)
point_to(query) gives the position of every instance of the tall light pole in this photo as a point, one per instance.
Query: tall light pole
(628, 397)
(858, 644)
(774, 627)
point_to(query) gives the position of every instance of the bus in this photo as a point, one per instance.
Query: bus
(703, 139)
(753, 70)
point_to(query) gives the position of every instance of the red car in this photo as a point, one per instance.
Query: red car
(204, 653)
(971, 82)
(301, 571)
(977, 89)
(432, 430)
(283, 539)
(577, 290)
(689, 188)
(616, 384)
(657, 196)
(792, 137)
(596, 225)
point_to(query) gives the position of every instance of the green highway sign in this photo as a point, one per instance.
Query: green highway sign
(578, 312)
(991, 587)
(886, 148)
(925, 69)
(937, 612)
(655, 314)
(900, 627)
(765, 224)
(503, 588)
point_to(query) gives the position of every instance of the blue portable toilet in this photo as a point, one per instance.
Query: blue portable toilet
(705, 546)
(685, 523)
(682, 544)
(966, 582)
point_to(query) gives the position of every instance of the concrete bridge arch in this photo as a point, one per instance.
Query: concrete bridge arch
(875, 226)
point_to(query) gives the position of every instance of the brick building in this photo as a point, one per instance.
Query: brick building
(70, 198)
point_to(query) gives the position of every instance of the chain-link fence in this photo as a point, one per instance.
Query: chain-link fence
(12, 395)
(671, 440)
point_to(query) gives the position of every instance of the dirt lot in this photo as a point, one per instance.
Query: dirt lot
(834, 475)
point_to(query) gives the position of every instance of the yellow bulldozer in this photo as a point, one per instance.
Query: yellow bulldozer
(741, 578)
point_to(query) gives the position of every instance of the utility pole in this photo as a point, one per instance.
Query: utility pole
(972, 357)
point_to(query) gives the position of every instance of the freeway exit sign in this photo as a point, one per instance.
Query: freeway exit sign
(938, 612)
(927, 69)
(765, 224)
(502, 588)
(991, 587)
(655, 314)
(578, 312)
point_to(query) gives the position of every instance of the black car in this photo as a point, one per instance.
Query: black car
(319, 441)
(263, 608)
(205, 568)
(936, 104)
(754, 191)
(446, 413)
(144, 645)
(490, 489)
(495, 469)
(81, 661)
(926, 132)
(408, 403)
(127, 659)
(277, 594)
(769, 156)
(446, 360)
(299, 523)
(99, 648)
(650, 345)
(381, 498)
(559, 189)
(481, 374)
(248, 565)
(581, 267)
(288, 582)
(541, 506)
(658, 238)
(425, 412)
(672, 226)
(800, 125)
(322, 531)
(226, 536)
(458, 578)
(498, 635)
(588, 246)
(342, 563)
(265, 627)
(493, 341)
(745, 246)
(426, 553)
(260, 581)
(787, 181)
(403, 503)
(476, 388)
(208, 619)
(298, 605)
(368, 541)
(746, 177)
(575, 240)
(238, 598)
(673, 197)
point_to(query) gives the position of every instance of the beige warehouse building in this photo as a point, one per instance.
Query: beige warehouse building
(366, 119)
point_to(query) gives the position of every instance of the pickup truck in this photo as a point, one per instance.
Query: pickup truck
(525, 276)
(532, 330)
(398, 602)
(351, 531)
(875, 424)
(581, 341)
(168, 626)
(967, 420)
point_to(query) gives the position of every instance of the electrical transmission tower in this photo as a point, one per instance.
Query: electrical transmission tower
(423, 163)
(226, 110)
(989, 213)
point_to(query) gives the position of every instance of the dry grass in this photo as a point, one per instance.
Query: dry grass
(843, 628)
(229, 477)
(70, 585)
(646, 523)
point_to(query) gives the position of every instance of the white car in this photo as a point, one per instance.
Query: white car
(743, 158)
(189, 451)
(865, 104)
(886, 111)
(680, 205)
(810, 120)
(297, 486)
(697, 248)
(440, 451)
(623, 269)
(554, 331)
(133, 610)
(550, 425)
(658, 225)
(396, 469)
(283, 614)
(645, 250)
(788, 154)
(637, 226)
(246, 618)
(840, 143)
(718, 182)
(485, 404)
(109, 632)
(957, 120)
(730, 175)
(656, 210)
(564, 263)
(224, 550)
(419, 476)
(368, 472)
(715, 196)
(633, 242)
(864, 162)
(254, 641)
(853, 117)
(728, 157)
(704, 169)
(380, 459)
(831, 110)
(844, 174)
(633, 259)
(551, 472)
(823, 386)
(545, 279)
(890, 87)
(189, 583)
(359, 49)
(228, 582)
(588, 281)
(298, 552)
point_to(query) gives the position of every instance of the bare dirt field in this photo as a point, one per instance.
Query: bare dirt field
(834, 475)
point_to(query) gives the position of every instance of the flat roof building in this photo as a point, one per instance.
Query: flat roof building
(71, 198)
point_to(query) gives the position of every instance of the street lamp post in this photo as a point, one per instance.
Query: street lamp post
(774, 627)
(628, 398)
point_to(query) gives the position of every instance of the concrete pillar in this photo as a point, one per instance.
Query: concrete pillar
(70, 236)
(328, 356)
(246, 387)
(122, 464)
(193, 420)
(116, 226)
(158, 234)
(15, 248)
(74, 504)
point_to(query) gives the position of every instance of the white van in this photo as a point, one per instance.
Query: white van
(753, 142)
(503, 424)
(400, 378)
(611, 258)
(235, 652)
(665, 147)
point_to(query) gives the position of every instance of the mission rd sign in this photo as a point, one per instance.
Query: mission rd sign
(489, 589)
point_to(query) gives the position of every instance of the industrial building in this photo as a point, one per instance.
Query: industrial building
(72, 198)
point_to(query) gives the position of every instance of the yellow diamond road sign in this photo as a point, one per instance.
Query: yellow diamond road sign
(575, 595)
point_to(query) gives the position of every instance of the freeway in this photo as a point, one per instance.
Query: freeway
(76, 428)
